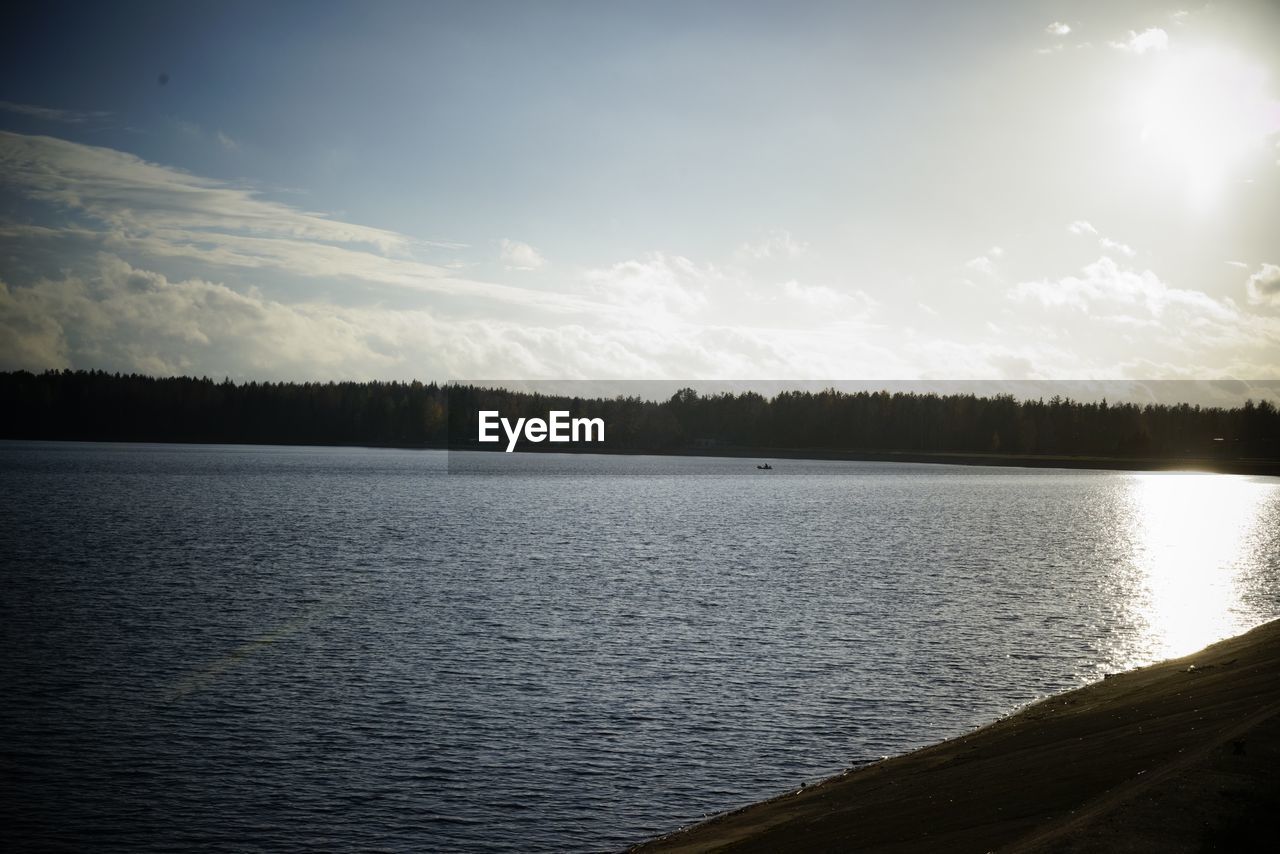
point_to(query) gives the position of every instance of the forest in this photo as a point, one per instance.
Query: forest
(100, 406)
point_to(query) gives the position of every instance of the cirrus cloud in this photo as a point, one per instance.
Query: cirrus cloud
(124, 204)
(49, 114)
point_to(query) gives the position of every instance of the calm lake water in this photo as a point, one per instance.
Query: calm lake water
(299, 649)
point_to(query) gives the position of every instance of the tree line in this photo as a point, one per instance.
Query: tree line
(95, 405)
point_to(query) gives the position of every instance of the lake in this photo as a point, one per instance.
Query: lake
(299, 649)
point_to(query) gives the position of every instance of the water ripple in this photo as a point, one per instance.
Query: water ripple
(285, 649)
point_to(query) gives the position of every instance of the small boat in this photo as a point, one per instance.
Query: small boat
(765, 467)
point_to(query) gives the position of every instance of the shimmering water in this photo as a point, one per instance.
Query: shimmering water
(319, 649)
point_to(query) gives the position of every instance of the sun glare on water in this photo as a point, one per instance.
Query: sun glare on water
(1189, 535)
(1202, 113)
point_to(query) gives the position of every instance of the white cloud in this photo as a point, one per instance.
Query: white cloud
(1237, 264)
(981, 264)
(1138, 325)
(132, 194)
(827, 299)
(1150, 39)
(1081, 227)
(163, 214)
(174, 273)
(520, 256)
(1104, 287)
(658, 284)
(1057, 28)
(778, 244)
(119, 317)
(1115, 246)
(1263, 286)
(71, 117)
(986, 263)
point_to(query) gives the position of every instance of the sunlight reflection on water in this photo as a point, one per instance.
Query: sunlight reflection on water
(1188, 536)
(369, 649)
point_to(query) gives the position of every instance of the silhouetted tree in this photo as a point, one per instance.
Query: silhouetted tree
(95, 405)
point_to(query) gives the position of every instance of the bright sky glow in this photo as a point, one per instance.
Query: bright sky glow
(523, 190)
(1203, 112)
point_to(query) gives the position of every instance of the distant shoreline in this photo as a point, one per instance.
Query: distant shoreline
(1176, 756)
(1252, 467)
(1269, 468)
(1190, 464)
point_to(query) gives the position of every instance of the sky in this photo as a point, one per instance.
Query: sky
(701, 190)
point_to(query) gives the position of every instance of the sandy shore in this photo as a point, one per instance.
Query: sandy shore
(1183, 755)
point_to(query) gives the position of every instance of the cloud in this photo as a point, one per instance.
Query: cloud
(985, 263)
(119, 317)
(129, 193)
(1104, 287)
(161, 214)
(981, 264)
(176, 273)
(31, 336)
(778, 244)
(1263, 286)
(678, 295)
(657, 284)
(1150, 39)
(827, 299)
(1115, 246)
(520, 256)
(1081, 227)
(1057, 28)
(226, 141)
(219, 137)
(122, 317)
(71, 117)
(1138, 325)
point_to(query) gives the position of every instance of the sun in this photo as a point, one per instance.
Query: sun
(1202, 113)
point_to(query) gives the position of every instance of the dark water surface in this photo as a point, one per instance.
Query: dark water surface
(299, 649)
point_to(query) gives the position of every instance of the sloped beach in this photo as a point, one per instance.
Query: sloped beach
(1183, 755)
